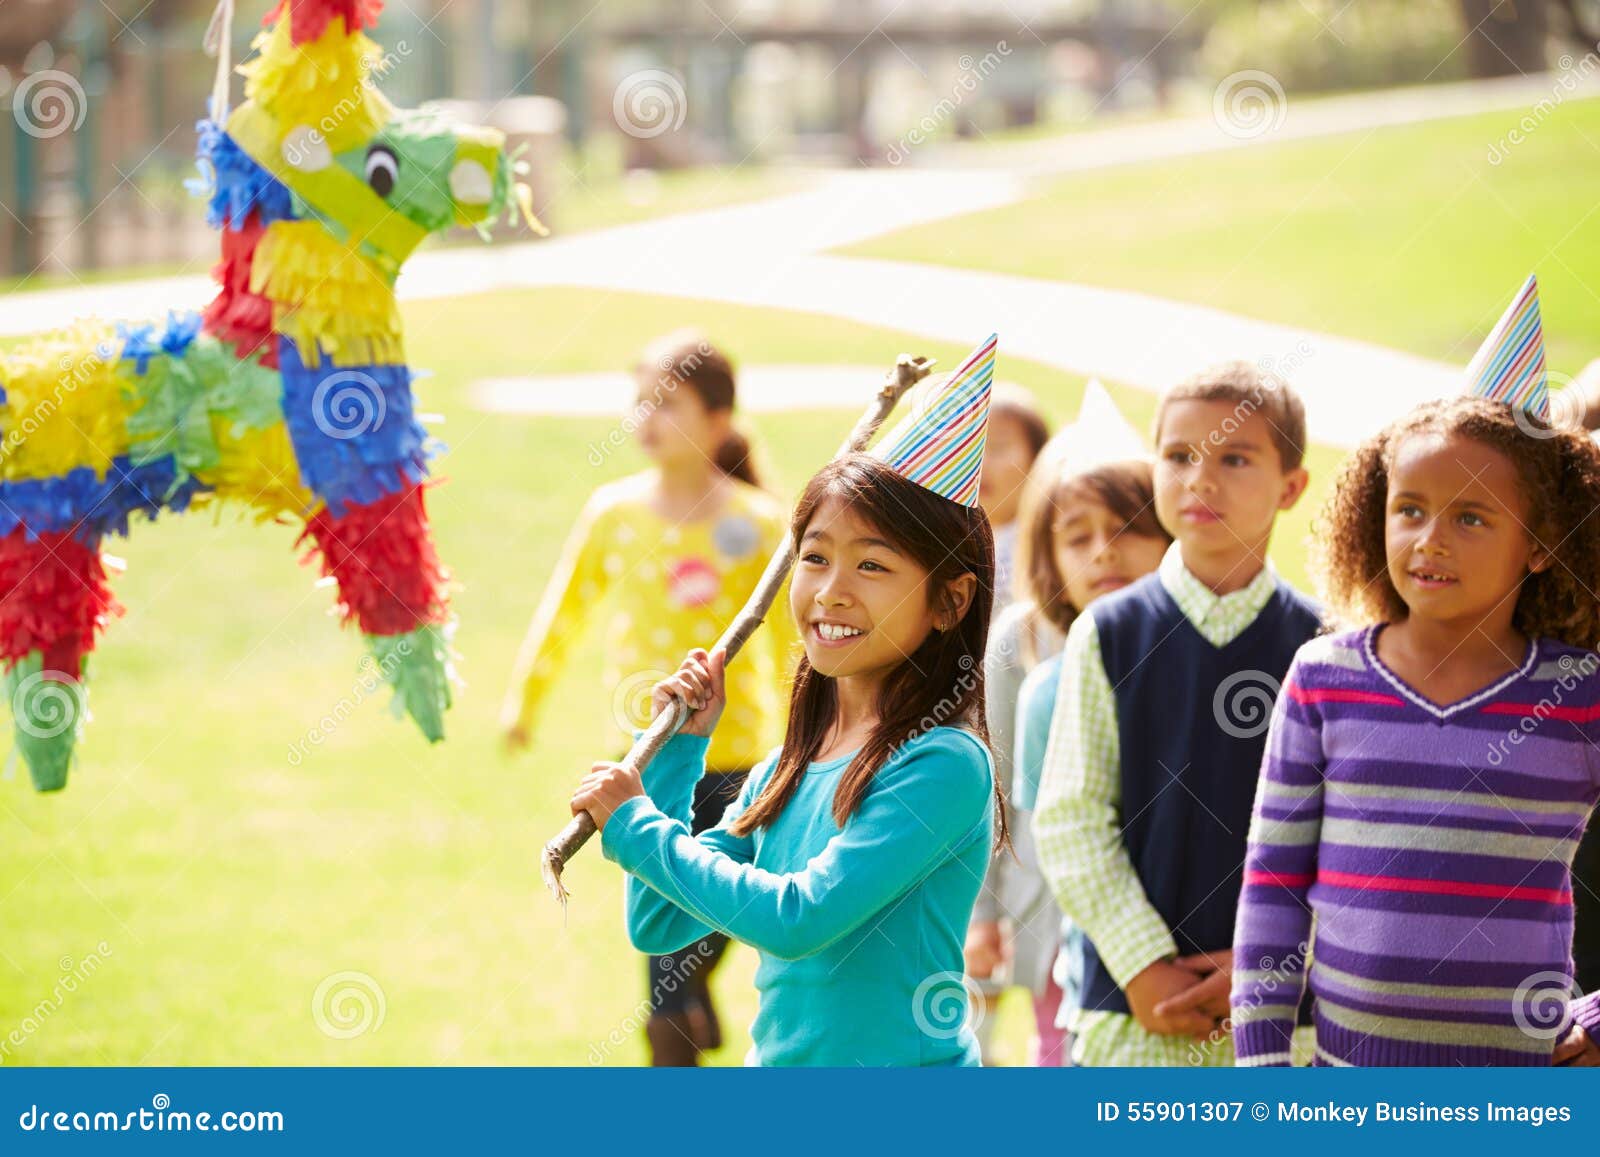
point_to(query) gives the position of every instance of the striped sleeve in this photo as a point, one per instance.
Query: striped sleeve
(1271, 943)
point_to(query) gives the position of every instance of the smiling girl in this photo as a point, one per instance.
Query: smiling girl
(853, 855)
(1428, 775)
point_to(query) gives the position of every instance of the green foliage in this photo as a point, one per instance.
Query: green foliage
(1322, 45)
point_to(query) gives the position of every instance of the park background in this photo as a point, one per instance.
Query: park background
(1350, 190)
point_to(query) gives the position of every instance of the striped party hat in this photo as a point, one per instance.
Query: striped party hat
(939, 445)
(1509, 366)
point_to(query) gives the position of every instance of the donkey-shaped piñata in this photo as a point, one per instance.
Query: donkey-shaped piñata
(290, 393)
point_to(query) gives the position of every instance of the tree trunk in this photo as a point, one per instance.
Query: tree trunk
(1506, 37)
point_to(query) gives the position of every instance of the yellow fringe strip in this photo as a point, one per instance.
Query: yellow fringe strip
(326, 297)
(256, 467)
(64, 405)
(320, 85)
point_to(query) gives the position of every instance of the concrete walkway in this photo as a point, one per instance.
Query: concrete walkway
(773, 253)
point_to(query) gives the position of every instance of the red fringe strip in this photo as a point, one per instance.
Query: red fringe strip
(236, 315)
(308, 19)
(382, 556)
(54, 597)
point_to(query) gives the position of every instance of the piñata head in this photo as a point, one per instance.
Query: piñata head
(291, 394)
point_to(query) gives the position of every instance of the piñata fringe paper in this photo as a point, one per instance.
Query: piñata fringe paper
(237, 189)
(301, 84)
(48, 712)
(418, 666)
(383, 560)
(327, 298)
(56, 597)
(309, 19)
(62, 403)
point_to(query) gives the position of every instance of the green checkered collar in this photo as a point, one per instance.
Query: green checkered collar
(1220, 618)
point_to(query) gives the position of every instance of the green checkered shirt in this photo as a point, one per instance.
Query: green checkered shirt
(1079, 831)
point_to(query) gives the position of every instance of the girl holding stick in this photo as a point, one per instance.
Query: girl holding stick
(853, 855)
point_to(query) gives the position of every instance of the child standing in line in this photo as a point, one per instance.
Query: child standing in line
(1429, 774)
(675, 551)
(1108, 537)
(853, 855)
(1086, 527)
(1150, 771)
(1017, 432)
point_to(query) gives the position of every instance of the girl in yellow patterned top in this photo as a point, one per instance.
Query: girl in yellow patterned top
(674, 552)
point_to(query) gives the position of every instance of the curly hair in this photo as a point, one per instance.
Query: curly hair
(1560, 474)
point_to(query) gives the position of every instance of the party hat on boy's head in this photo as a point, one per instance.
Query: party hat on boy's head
(939, 445)
(1509, 366)
(1099, 436)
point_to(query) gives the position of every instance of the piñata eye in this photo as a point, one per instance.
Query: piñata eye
(382, 169)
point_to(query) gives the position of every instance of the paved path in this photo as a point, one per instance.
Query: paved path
(773, 253)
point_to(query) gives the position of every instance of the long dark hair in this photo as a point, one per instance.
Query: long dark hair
(940, 683)
(688, 358)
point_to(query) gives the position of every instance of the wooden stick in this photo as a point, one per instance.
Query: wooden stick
(907, 372)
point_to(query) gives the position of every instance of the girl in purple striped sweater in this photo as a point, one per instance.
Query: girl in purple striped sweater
(1428, 775)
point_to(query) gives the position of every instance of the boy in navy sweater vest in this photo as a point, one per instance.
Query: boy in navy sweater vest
(1156, 742)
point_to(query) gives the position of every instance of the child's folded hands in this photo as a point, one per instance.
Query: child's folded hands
(1153, 997)
(1209, 996)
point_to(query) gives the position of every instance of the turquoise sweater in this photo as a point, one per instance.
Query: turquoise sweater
(860, 929)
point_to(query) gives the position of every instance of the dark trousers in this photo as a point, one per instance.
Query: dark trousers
(679, 982)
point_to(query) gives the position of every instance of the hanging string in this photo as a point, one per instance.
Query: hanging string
(218, 42)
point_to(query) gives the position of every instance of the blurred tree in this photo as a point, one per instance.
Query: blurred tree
(1506, 37)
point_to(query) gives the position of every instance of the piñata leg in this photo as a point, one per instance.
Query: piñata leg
(53, 598)
(392, 584)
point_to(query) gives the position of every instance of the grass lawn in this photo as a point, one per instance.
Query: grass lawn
(226, 882)
(1409, 236)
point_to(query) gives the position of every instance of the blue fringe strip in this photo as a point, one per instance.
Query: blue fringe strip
(353, 428)
(141, 343)
(87, 505)
(233, 184)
